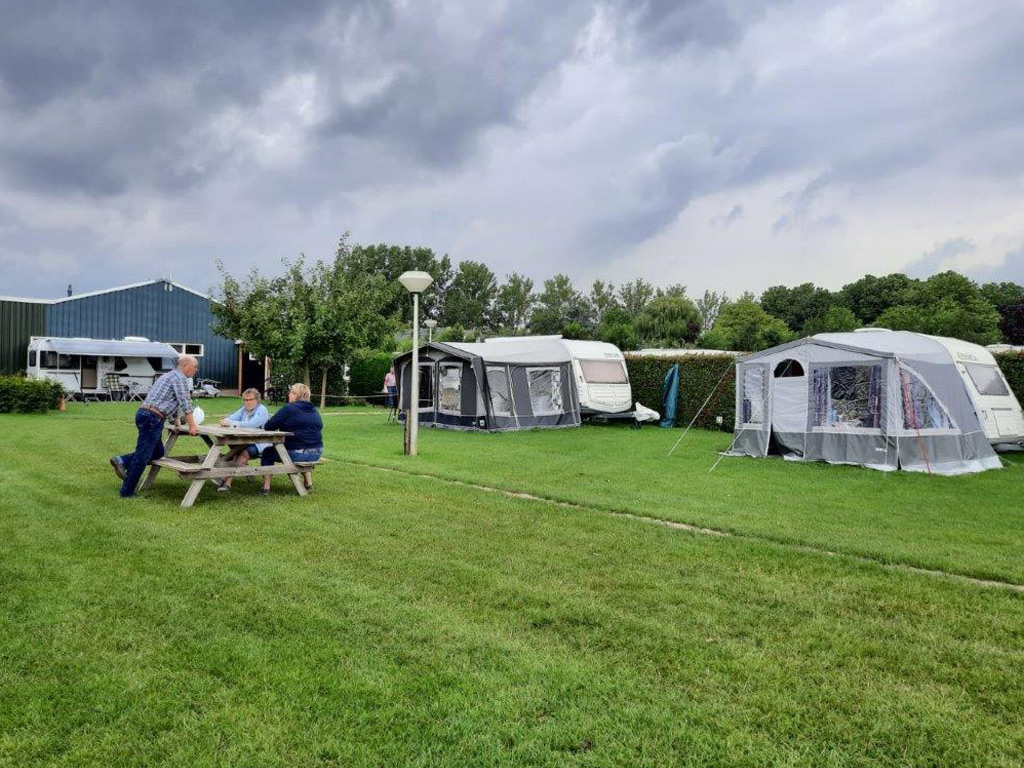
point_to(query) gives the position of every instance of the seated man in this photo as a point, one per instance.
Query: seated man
(253, 414)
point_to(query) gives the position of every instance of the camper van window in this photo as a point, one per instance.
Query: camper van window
(195, 350)
(545, 386)
(501, 393)
(158, 364)
(604, 372)
(846, 397)
(753, 395)
(788, 368)
(987, 379)
(451, 389)
(120, 364)
(70, 362)
(921, 410)
(32, 359)
(47, 359)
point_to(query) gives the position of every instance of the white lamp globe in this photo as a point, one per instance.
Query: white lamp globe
(415, 282)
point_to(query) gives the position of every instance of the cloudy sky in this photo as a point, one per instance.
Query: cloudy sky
(723, 144)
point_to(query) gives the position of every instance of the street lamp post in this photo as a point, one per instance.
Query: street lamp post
(415, 283)
(431, 325)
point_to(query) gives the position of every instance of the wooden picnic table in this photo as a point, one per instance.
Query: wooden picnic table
(218, 464)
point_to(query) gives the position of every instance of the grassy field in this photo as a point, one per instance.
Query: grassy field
(393, 620)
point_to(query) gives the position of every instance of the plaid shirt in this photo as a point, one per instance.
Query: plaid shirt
(170, 393)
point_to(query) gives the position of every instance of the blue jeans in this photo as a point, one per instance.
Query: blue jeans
(148, 447)
(297, 454)
(390, 400)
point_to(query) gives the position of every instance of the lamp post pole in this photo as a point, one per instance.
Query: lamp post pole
(414, 282)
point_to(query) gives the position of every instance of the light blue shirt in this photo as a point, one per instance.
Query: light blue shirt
(254, 419)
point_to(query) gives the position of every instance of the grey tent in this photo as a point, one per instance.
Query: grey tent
(493, 386)
(882, 399)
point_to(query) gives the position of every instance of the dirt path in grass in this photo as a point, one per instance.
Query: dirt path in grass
(903, 567)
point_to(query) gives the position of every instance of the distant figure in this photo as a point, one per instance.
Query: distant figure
(168, 395)
(390, 387)
(306, 442)
(253, 414)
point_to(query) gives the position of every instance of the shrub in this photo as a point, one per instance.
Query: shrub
(698, 375)
(20, 395)
(1012, 365)
(366, 372)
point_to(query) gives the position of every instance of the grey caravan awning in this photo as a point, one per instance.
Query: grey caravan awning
(105, 347)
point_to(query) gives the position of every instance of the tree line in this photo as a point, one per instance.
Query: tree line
(314, 315)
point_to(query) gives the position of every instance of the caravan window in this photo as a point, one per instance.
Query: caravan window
(47, 359)
(846, 397)
(604, 371)
(753, 395)
(987, 379)
(69, 362)
(921, 409)
(788, 369)
(120, 364)
(450, 386)
(501, 391)
(545, 390)
(32, 359)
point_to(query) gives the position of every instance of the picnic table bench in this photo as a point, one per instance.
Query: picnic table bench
(218, 464)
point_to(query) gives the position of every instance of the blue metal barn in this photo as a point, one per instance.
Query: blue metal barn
(159, 310)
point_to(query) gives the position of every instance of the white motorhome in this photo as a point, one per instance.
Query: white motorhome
(99, 367)
(997, 407)
(600, 371)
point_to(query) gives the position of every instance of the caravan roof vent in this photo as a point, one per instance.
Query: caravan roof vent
(872, 330)
(135, 338)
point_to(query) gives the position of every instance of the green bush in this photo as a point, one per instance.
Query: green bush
(698, 375)
(1012, 365)
(366, 372)
(21, 395)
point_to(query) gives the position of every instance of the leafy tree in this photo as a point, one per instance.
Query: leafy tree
(618, 327)
(836, 320)
(309, 316)
(709, 306)
(390, 261)
(744, 326)
(795, 306)
(902, 317)
(469, 301)
(1001, 295)
(558, 305)
(870, 296)
(676, 289)
(513, 304)
(602, 300)
(1012, 323)
(669, 321)
(634, 296)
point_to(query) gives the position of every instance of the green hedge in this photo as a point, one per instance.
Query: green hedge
(366, 372)
(698, 375)
(21, 395)
(1012, 365)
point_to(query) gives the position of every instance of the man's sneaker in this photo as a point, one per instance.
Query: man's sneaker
(118, 465)
(224, 488)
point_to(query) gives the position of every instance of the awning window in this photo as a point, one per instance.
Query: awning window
(545, 386)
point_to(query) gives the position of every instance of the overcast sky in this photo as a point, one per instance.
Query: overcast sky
(725, 145)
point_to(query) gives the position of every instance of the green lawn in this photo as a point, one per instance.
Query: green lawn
(391, 620)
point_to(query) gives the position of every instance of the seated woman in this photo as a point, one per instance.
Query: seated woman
(306, 441)
(253, 414)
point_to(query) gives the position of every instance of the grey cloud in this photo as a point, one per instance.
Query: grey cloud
(1011, 269)
(939, 258)
(725, 221)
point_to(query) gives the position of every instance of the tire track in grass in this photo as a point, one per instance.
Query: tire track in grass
(696, 529)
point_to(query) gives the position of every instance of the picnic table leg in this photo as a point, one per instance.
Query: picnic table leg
(197, 485)
(154, 469)
(296, 474)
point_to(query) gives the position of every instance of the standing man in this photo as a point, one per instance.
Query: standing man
(168, 395)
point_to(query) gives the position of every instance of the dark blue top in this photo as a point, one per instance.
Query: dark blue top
(303, 421)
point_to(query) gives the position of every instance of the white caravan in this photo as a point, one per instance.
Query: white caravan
(98, 367)
(997, 407)
(600, 370)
